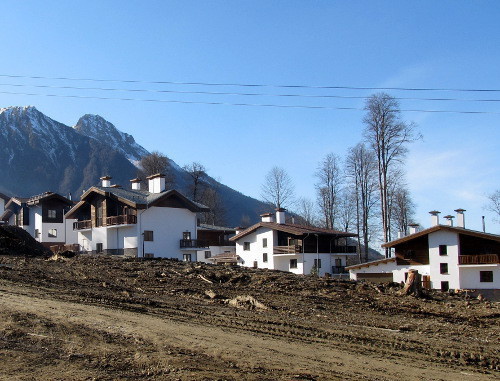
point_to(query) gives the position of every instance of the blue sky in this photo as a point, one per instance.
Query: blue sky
(424, 44)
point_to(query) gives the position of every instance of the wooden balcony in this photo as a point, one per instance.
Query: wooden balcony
(121, 220)
(480, 259)
(81, 225)
(109, 221)
(292, 249)
(193, 244)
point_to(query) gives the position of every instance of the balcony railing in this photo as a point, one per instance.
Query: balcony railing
(80, 225)
(480, 259)
(338, 270)
(291, 249)
(193, 244)
(110, 221)
(121, 220)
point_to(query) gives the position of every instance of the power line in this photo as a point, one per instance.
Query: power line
(240, 94)
(251, 85)
(237, 104)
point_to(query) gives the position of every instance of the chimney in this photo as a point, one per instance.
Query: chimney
(413, 228)
(267, 217)
(435, 217)
(70, 197)
(136, 183)
(449, 220)
(280, 215)
(460, 218)
(156, 183)
(106, 181)
(400, 234)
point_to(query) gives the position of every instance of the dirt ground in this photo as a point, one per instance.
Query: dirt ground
(106, 318)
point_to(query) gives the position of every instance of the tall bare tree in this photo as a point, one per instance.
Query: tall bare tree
(305, 211)
(494, 204)
(361, 167)
(197, 174)
(388, 136)
(154, 163)
(403, 208)
(328, 187)
(211, 198)
(277, 189)
(347, 209)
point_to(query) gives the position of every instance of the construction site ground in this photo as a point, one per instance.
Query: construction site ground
(107, 318)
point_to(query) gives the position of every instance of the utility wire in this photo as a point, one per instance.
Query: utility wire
(238, 104)
(251, 85)
(240, 94)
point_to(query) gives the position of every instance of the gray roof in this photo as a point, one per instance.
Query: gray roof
(214, 228)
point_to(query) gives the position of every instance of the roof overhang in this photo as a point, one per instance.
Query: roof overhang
(372, 263)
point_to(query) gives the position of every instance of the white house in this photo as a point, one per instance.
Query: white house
(447, 257)
(275, 244)
(43, 217)
(136, 222)
(3, 200)
(216, 238)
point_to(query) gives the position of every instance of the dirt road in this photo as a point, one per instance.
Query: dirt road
(63, 321)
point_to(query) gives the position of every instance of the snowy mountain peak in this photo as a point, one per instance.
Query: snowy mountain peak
(96, 127)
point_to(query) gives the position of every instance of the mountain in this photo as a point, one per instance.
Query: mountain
(97, 127)
(40, 154)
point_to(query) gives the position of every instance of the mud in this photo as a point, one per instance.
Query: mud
(92, 317)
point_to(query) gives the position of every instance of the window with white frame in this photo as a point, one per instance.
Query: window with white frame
(51, 213)
(52, 233)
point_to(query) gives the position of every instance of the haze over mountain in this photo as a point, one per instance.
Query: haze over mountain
(41, 154)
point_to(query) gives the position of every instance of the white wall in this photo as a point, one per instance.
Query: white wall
(2, 205)
(399, 275)
(256, 252)
(443, 237)
(470, 280)
(167, 225)
(214, 250)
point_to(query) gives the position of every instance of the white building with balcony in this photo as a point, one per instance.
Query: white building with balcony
(136, 222)
(275, 244)
(447, 257)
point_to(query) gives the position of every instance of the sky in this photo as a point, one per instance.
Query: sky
(338, 52)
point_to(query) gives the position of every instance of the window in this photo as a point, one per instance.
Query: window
(443, 268)
(149, 255)
(293, 263)
(443, 250)
(98, 247)
(208, 254)
(486, 276)
(186, 235)
(51, 213)
(246, 246)
(148, 235)
(317, 263)
(264, 242)
(53, 233)
(264, 257)
(187, 257)
(338, 262)
(445, 286)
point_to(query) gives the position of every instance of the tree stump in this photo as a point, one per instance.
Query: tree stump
(413, 285)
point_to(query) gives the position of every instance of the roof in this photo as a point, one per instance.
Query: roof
(35, 200)
(372, 263)
(215, 228)
(139, 199)
(292, 229)
(4, 197)
(435, 228)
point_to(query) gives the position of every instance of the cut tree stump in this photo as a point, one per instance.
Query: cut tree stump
(413, 285)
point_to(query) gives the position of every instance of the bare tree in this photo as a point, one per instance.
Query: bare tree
(197, 174)
(330, 180)
(211, 198)
(347, 209)
(403, 208)
(155, 163)
(277, 189)
(388, 136)
(361, 167)
(494, 204)
(305, 211)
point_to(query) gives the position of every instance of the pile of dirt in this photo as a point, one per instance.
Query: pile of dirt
(18, 242)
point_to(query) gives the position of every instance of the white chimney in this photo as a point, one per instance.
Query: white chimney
(434, 217)
(267, 217)
(136, 183)
(449, 220)
(460, 218)
(156, 183)
(413, 228)
(400, 234)
(280, 216)
(106, 181)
